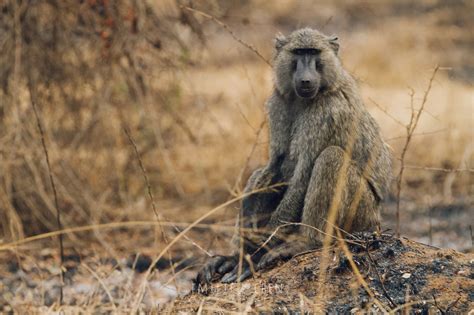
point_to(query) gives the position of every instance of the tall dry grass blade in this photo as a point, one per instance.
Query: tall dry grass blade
(110, 225)
(51, 180)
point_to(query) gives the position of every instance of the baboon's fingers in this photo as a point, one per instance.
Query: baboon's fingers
(229, 277)
(233, 275)
(246, 273)
(227, 266)
(207, 273)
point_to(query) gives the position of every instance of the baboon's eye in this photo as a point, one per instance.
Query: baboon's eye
(293, 65)
(318, 64)
(306, 51)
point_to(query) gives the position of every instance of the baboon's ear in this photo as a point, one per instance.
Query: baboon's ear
(280, 41)
(333, 42)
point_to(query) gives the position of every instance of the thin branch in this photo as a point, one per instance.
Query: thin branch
(427, 133)
(152, 199)
(229, 30)
(145, 176)
(247, 160)
(53, 186)
(439, 169)
(410, 129)
(385, 292)
(384, 110)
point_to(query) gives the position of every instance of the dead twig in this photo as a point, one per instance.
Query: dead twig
(51, 180)
(386, 112)
(439, 169)
(410, 128)
(452, 304)
(150, 195)
(385, 292)
(229, 30)
(247, 160)
(428, 133)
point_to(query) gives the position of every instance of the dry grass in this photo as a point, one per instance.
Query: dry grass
(195, 108)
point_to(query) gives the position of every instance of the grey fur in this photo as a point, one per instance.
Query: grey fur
(310, 138)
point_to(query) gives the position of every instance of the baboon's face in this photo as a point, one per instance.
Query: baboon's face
(306, 63)
(306, 67)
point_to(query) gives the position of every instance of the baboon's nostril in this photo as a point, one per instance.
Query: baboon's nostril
(305, 83)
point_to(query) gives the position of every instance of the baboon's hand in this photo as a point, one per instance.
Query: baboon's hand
(238, 274)
(214, 269)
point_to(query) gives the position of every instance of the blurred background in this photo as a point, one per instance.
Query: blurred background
(190, 87)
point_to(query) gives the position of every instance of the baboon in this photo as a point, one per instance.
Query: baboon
(326, 152)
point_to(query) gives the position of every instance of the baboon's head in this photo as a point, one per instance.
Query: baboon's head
(305, 62)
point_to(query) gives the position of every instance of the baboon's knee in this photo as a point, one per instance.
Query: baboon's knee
(328, 164)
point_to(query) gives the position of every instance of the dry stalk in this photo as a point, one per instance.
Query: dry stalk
(428, 133)
(152, 199)
(386, 112)
(247, 160)
(53, 186)
(110, 225)
(385, 292)
(439, 169)
(102, 284)
(229, 30)
(410, 129)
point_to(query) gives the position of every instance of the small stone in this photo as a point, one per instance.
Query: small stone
(406, 275)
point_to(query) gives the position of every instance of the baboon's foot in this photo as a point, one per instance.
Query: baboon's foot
(214, 269)
(239, 273)
(282, 252)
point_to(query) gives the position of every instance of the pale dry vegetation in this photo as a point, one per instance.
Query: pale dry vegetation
(191, 95)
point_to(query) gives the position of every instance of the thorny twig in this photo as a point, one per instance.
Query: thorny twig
(53, 186)
(229, 30)
(410, 128)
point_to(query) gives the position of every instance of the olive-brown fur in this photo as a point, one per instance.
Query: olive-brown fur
(313, 142)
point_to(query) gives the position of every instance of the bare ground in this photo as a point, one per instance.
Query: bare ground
(414, 276)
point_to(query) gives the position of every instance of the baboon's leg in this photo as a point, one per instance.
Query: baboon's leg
(356, 208)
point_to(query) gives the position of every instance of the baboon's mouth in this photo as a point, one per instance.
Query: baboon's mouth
(306, 93)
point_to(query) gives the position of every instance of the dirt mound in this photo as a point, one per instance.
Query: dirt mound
(398, 274)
